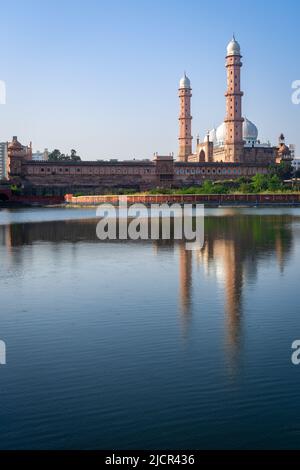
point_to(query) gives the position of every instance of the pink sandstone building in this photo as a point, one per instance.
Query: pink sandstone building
(228, 152)
(236, 139)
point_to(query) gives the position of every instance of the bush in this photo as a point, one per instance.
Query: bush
(259, 183)
(274, 183)
(245, 188)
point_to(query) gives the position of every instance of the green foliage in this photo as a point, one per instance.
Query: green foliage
(15, 189)
(274, 183)
(245, 188)
(259, 183)
(57, 156)
(161, 191)
(207, 187)
(284, 170)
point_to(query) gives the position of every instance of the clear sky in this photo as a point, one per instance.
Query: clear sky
(102, 76)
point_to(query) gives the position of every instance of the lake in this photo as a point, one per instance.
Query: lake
(144, 345)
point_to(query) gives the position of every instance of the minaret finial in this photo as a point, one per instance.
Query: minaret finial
(233, 36)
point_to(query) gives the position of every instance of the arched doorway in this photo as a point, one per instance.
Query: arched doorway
(202, 156)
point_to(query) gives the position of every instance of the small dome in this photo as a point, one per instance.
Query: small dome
(250, 132)
(233, 47)
(185, 82)
(212, 136)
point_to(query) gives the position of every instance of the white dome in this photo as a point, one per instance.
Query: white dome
(221, 133)
(185, 82)
(233, 47)
(250, 131)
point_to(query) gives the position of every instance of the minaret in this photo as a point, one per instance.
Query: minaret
(234, 143)
(185, 120)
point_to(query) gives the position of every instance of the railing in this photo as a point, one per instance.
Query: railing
(188, 198)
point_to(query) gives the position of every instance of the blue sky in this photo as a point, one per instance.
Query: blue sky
(102, 76)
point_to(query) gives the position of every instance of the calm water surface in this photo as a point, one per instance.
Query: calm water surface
(143, 344)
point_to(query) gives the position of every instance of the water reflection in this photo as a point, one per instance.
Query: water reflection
(144, 341)
(235, 247)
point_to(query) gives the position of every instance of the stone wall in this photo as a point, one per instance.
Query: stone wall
(43, 178)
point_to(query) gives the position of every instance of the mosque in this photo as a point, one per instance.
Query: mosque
(236, 139)
(231, 151)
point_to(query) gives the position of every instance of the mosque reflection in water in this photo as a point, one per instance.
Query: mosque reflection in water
(234, 247)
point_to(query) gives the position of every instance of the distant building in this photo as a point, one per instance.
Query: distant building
(296, 164)
(16, 150)
(292, 148)
(3, 160)
(92, 177)
(40, 156)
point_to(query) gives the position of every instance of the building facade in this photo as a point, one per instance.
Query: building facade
(3, 160)
(296, 164)
(17, 151)
(58, 178)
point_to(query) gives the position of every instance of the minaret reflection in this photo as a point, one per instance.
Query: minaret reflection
(233, 250)
(185, 262)
(6, 238)
(280, 253)
(224, 254)
(223, 257)
(233, 287)
(185, 285)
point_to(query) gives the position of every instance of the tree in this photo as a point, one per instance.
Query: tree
(245, 188)
(284, 170)
(259, 183)
(274, 183)
(207, 187)
(74, 156)
(55, 156)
